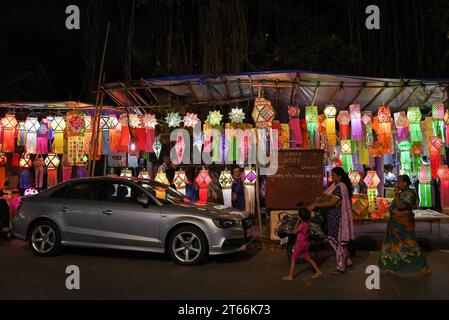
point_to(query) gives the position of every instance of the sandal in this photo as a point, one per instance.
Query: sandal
(337, 272)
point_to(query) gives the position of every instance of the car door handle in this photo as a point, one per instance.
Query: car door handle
(64, 210)
(107, 212)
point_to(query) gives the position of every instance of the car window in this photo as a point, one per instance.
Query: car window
(122, 193)
(83, 191)
(164, 194)
(60, 193)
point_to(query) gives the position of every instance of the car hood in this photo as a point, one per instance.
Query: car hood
(214, 210)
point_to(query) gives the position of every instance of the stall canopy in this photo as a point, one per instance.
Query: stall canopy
(284, 88)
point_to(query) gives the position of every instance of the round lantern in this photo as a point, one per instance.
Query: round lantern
(226, 180)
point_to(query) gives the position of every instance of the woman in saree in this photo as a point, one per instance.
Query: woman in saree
(338, 203)
(400, 251)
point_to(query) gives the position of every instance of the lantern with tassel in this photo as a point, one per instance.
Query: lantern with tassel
(24, 164)
(150, 123)
(312, 125)
(346, 155)
(161, 177)
(249, 185)
(123, 144)
(226, 185)
(3, 161)
(31, 127)
(157, 146)
(104, 127)
(52, 162)
(414, 119)
(42, 138)
(402, 124)
(343, 119)
(39, 165)
(180, 181)
(81, 170)
(406, 161)
(372, 180)
(355, 178)
(384, 131)
(263, 112)
(416, 152)
(203, 180)
(367, 119)
(21, 134)
(75, 129)
(425, 191)
(295, 128)
(443, 175)
(9, 124)
(330, 112)
(356, 122)
(435, 145)
(87, 133)
(115, 129)
(438, 119)
(67, 169)
(58, 124)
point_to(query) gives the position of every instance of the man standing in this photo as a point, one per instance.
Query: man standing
(238, 193)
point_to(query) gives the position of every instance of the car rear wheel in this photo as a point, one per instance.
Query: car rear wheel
(188, 246)
(45, 239)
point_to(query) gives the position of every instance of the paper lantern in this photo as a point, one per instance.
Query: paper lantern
(180, 181)
(435, 145)
(372, 180)
(162, 178)
(425, 191)
(414, 118)
(75, 150)
(226, 181)
(42, 138)
(25, 161)
(3, 161)
(58, 124)
(384, 130)
(150, 123)
(22, 134)
(124, 141)
(24, 164)
(144, 174)
(356, 122)
(355, 178)
(214, 118)
(443, 175)
(190, 120)
(203, 180)
(87, 133)
(9, 124)
(126, 173)
(284, 136)
(343, 119)
(173, 119)
(406, 160)
(295, 128)
(346, 155)
(416, 152)
(402, 126)
(39, 165)
(367, 119)
(263, 112)
(157, 146)
(312, 125)
(330, 112)
(446, 123)
(236, 115)
(75, 123)
(249, 188)
(31, 126)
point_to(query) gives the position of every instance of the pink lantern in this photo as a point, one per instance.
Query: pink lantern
(343, 119)
(203, 180)
(356, 122)
(443, 175)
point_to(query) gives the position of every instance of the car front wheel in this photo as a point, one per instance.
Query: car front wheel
(44, 239)
(188, 246)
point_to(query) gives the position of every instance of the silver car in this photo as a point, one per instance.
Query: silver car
(129, 214)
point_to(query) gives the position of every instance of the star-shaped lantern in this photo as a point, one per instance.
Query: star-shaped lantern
(173, 119)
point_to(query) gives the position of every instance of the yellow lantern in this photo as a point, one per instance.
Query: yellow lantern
(162, 178)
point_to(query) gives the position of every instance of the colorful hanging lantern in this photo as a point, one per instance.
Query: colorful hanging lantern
(443, 175)
(355, 178)
(75, 150)
(144, 174)
(346, 155)
(3, 161)
(226, 181)
(190, 120)
(87, 133)
(25, 160)
(75, 123)
(203, 180)
(414, 118)
(416, 152)
(39, 165)
(24, 164)
(330, 112)
(9, 124)
(150, 123)
(157, 146)
(52, 162)
(67, 169)
(446, 123)
(438, 119)
(367, 119)
(284, 136)
(435, 145)
(180, 181)
(425, 191)
(161, 177)
(31, 127)
(402, 126)
(214, 118)
(104, 127)
(236, 115)
(384, 130)
(126, 173)
(42, 137)
(263, 112)
(372, 180)
(249, 188)
(173, 119)
(356, 122)
(295, 127)
(113, 124)
(406, 160)
(312, 125)
(125, 140)
(343, 119)
(58, 125)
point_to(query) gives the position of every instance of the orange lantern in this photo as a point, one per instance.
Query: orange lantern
(9, 124)
(384, 129)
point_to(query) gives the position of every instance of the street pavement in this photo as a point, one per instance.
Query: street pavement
(254, 274)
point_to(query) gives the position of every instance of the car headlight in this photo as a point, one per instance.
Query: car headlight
(226, 223)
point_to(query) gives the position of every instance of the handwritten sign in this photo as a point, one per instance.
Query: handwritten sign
(299, 179)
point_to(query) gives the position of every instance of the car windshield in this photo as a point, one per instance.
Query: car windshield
(164, 194)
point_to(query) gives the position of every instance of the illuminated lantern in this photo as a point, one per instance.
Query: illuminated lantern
(3, 161)
(249, 185)
(144, 174)
(24, 164)
(367, 119)
(31, 126)
(346, 155)
(355, 178)
(406, 161)
(343, 119)
(263, 112)
(75, 150)
(203, 180)
(123, 144)
(104, 127)
(236, 115)
(180, 181)
(87, 133)
(190, 120)
(402, 124)
(138, 133)
(443, 175)
(9, 124)
(435, 145)
(330, 112)
(39, 172)
(161, 177)
(284, 136)
(372, 180)
(295, 128)
(157, 147)
(22, 134)
(446, 121)
(425, 191)
(356, 122)
(173, 119)
(81, 170)
(384, 131)
(226, 180)
(58, 124)
(416, 152)
(67, 169)
(52, 162)
(180, 147)
(75, 126)
(438, 119)
(42, 138)
(114, 133)
(414, 119)
(150, 123)
(126, 173)
(312, 125)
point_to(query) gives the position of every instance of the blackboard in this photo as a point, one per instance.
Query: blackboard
(299, 178)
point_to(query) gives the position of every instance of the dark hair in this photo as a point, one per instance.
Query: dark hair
(344, 178)
(304, 214)
(406, 179)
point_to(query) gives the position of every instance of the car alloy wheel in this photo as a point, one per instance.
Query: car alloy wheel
(43, 239)
(186, 247)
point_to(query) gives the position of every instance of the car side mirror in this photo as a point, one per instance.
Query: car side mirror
(143, 200)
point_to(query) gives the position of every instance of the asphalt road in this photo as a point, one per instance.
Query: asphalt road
(254, 274)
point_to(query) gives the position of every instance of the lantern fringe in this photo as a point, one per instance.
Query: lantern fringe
(58, 142)
(346, 161)
(66, 173)
(31, 142)
(444, 194)
(52, 177)
(21, 138)
(24, 179)
(295, 133)
(227, 197)
(2, 177)
(425, 195)
(416, 135)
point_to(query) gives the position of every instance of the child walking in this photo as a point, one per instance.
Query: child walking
(302, 245)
